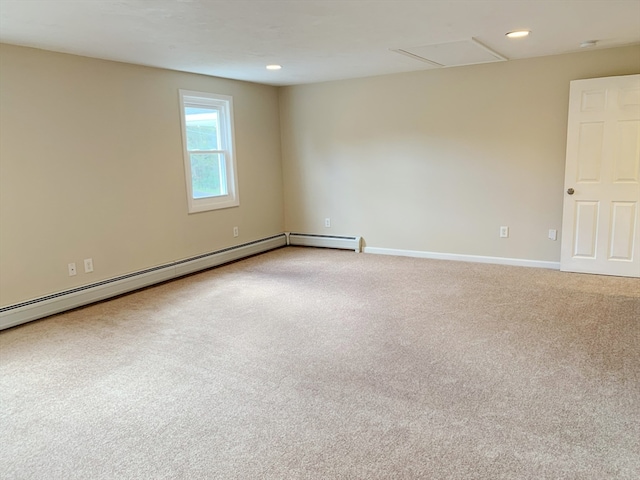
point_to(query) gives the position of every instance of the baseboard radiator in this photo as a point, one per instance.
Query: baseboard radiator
(326, 241)
(17, 314)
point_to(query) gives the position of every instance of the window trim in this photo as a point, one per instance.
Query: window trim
(224, 105)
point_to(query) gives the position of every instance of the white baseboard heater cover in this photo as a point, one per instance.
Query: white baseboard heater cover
(23, 312)
(326, 241)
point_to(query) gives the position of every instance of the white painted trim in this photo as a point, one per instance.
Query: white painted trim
(324, 241)
(34, 309)
(518, 262)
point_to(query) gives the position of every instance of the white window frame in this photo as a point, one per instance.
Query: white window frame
(224, 105)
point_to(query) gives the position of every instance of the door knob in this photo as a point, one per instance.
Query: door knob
(571, 191)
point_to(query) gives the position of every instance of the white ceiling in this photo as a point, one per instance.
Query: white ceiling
(314, 40)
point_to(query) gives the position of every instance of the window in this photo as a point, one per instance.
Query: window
(209, 161)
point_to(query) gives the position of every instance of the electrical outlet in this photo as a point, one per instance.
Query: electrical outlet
(88, 265)
(236, 232)
(72, 269)
(327, 222)
(504, 232)
(553, 234)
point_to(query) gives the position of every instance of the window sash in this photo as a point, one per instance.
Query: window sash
(222, 172)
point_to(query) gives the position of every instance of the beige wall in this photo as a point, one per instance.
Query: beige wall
(91, 162)
(91, 166)
(438, 160)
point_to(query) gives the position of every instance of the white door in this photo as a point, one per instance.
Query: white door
(601, 216)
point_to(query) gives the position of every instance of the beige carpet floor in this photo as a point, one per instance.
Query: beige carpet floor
(319, 364)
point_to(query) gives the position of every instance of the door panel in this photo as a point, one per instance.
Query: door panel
(627, 153)
(629, 97)
(601, 224)
(586, 229)
(622, 227)
(590, 152)
(593, 101)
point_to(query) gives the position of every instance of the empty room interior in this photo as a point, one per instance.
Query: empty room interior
(320, 239)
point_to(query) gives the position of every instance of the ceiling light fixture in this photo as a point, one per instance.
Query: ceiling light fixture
(588, 43)
(518, 33)
(274, 67)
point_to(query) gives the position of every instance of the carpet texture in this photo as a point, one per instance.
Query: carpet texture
(305, 363)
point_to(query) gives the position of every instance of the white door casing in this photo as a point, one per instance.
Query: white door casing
(601, 215)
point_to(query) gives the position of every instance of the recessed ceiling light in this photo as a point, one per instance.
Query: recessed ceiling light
(274, 67)
(518, 33)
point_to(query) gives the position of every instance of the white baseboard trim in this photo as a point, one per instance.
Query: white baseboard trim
(24, 312)
(517, 262)
(324, 241)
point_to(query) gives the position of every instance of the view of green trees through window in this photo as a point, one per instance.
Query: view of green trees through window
(203, 145)
(205, 174)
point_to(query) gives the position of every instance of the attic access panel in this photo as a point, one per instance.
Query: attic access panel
(453, 54)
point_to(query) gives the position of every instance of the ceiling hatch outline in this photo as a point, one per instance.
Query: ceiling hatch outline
(452, 54)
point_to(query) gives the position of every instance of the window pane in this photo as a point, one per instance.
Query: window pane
(202, 128)
(207, 175)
